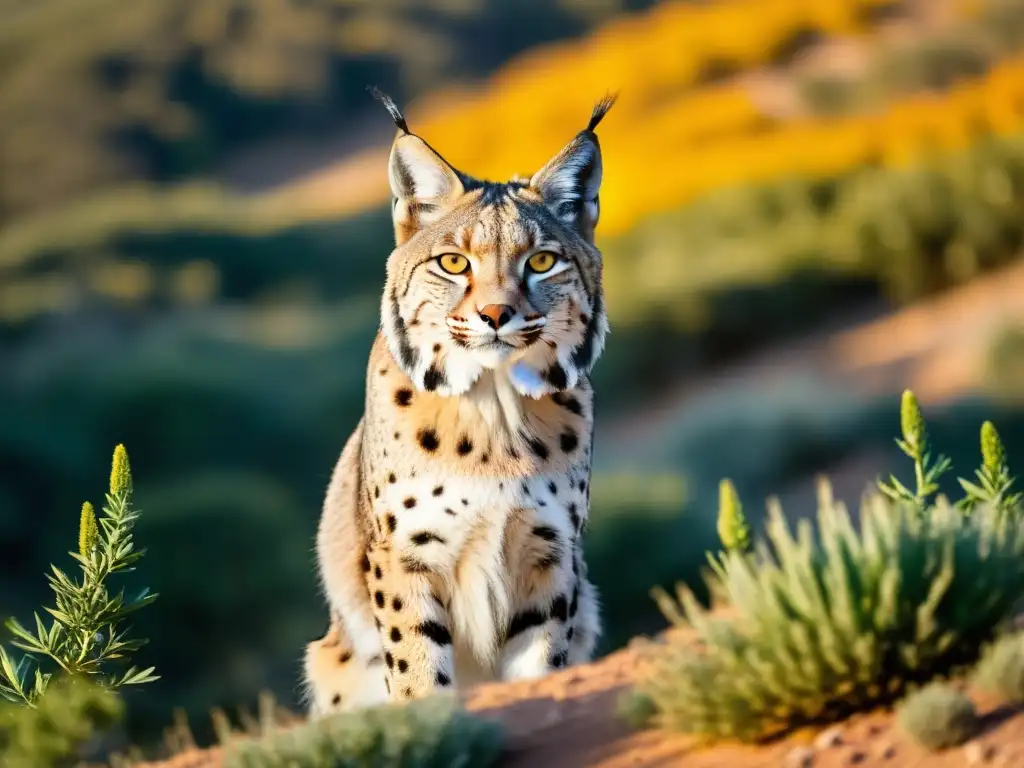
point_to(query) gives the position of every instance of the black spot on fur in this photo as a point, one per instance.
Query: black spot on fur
(575, 604)
(523, 621)
(568, 441)
(425, 537)
(396, 635)
(486, 457)
(403, 397)
(433, 378)
(409, 503)
(391, 522)
(574, 516)
(428, 439)
(545, 532)
(378, 598)
(438, 491)
(392, 479)
(560, 608)
(569, 402)
(389, 660)
(569, 635)
(345, 657)
(365, 563)
(556, 376)
(396, 604)
(449, 511)
(387, 685)
(336, 699)
(539, 449)
(559, 660)
(552, 487)
(437, 348)
(465, 502)
(464, 447)
(583, 485)
(436, 632)
(403, 665)
(442, 679)
(407, 693)
(376, 491)
(378, 573)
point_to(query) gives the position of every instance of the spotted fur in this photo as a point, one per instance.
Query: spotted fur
(450, 543)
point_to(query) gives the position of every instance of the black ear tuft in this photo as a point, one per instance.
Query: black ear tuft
(600, 110)
(391, 107)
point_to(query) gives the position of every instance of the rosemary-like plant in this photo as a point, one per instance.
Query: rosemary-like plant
(914, 444)
(85, 637)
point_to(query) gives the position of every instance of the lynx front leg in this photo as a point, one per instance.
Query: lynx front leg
(413, 622)
(538, 636)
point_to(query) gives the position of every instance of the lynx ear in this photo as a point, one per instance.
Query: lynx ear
(571, 181)
(423, 184)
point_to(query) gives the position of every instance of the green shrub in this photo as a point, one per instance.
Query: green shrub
(85, 637)
(938, 717)
(824, 624)
(61, 720)
(428, 732)
(1001, 669)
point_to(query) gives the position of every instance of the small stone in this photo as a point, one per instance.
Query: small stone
(833, 737)
(977, 753)
(800, 757)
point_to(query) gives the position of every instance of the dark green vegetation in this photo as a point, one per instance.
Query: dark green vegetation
(432, 732)
(840, 618)
(53, 732)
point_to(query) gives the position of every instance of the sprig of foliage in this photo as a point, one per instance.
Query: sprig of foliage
(994, 479)
(85, 636)
(915, 445)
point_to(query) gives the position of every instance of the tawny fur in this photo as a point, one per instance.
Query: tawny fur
(450, 542)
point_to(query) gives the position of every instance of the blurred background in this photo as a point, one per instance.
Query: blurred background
(808, 205)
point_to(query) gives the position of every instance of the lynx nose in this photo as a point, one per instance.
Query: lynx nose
(496, 315)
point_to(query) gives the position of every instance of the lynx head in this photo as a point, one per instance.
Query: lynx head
(494, 276)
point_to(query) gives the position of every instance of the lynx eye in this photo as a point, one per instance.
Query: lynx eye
(541, 262)
(453, 263)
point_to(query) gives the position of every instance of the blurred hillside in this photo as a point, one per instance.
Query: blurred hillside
(778, 172)
(94, 94)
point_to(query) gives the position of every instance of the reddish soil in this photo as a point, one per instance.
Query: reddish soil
(568, 720)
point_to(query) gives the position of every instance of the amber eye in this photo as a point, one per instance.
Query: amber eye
(541, 262)
(453, 263)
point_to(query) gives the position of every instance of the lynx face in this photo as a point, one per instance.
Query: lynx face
(497, 277)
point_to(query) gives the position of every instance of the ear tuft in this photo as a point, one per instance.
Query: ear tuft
(600, 110)
(390, 106)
